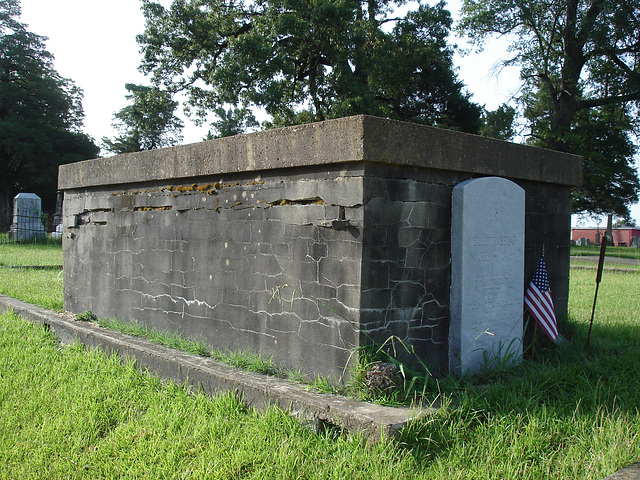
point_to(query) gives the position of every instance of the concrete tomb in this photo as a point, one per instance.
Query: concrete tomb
(27, 217)
(487, 274)
(304, 243)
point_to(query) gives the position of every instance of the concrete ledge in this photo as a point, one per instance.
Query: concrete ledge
(258, 391)
(632, 472)
(344, 140)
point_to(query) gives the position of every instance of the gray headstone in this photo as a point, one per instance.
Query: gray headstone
(58, 231)
(487, 274)
(584, 242)
(27, 217)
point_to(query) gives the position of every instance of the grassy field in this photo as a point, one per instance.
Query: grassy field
(41, 286)
(566, 412)
(621, 252)
(45, 253)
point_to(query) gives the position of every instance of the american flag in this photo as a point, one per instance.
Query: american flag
(539, 303)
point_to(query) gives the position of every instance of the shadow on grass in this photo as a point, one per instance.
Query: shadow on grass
(562, 401)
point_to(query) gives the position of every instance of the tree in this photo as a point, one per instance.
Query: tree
(308, 60)
(148, 123)
(625, 222)
(40, 115)
(233, 121)
(610, 183)
(579, 64)
(499, 123)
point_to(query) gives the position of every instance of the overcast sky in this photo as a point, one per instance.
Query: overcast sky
(94, 45)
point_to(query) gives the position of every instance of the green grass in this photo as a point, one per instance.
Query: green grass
(40, 286)
(72, 413)
(44, 253)
(565, 412)
(253, 362)
(620, 252)
(608, 266)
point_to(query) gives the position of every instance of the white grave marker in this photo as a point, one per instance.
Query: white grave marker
(487, 274)
(27, 220)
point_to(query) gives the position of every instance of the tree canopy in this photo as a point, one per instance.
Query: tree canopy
(580, 67)
(308, 60)
(233, 121)
(148, 123)
(40, 115)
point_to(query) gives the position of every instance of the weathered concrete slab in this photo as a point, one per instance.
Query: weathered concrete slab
(258, 391)
(353, 215)
(343, 140)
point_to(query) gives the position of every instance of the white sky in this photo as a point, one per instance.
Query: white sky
(94, 45)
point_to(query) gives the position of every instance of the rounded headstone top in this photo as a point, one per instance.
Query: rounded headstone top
(26, 196)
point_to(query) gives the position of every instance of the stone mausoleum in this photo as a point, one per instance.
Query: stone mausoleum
(303, 243)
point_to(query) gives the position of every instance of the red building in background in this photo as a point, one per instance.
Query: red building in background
(622, 236)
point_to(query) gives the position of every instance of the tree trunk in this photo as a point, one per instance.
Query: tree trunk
(565, 108)
(566, 99)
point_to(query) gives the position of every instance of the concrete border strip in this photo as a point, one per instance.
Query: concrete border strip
(632, 472)
(255, 390)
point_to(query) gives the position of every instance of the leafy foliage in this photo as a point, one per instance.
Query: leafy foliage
(308, 60)
(579, 64)
(148, 123)
(233, 121)
(40, 114)
(601, 136)
(499, 123)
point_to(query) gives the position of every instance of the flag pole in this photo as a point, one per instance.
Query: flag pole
(603, 248)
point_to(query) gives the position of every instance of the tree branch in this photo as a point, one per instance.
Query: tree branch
(601, 102)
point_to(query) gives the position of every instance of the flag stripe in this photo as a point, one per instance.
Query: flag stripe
(542, 303)
(539, 303)
(544, 316)
(545, 320)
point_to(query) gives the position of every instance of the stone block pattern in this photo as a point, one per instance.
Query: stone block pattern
(407, 262)
(244, 263)
(304, 242)
(304, 264)
(406, 256)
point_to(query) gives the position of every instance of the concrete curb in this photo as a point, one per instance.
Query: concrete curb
(258, 391)
(632, 472)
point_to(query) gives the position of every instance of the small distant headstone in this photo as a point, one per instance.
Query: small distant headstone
(487, 274)
(58, 231)
(27, 217)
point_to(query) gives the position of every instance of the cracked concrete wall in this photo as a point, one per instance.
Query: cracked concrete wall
(407, 255)
(303, 243)
(204, 258)
(406, 260)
